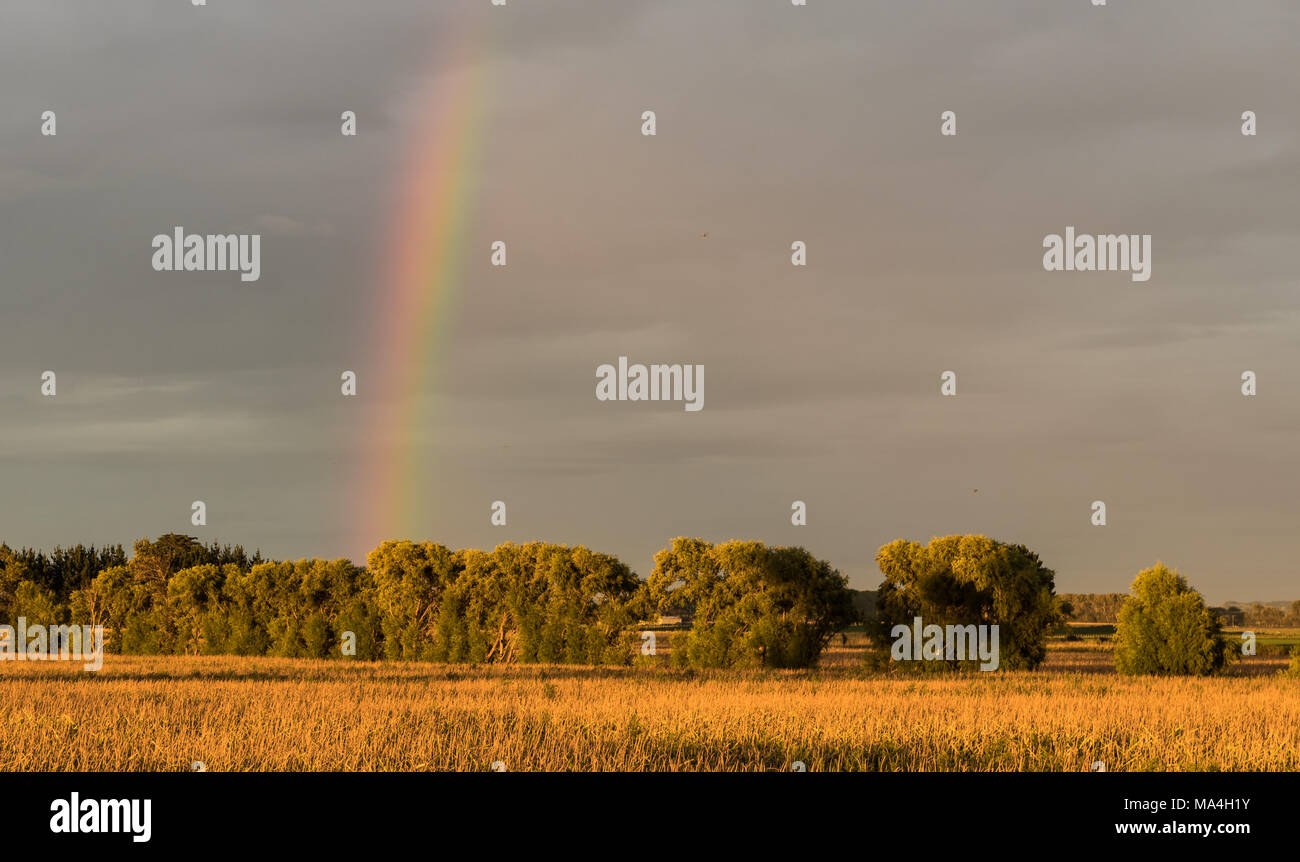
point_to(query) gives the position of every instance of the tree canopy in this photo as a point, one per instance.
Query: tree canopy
(535, 602)
(753, 605)
(969, 580)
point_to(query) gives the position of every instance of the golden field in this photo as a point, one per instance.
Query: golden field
(164, 713)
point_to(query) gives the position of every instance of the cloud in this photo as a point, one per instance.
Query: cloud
(775, 123)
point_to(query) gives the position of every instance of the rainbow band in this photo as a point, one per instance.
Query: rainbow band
(432, 198)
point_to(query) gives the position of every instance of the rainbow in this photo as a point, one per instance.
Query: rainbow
(420, 278)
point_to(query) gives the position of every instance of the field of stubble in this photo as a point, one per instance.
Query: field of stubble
(165, 713)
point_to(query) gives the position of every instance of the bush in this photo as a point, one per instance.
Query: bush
(1293, 669)
(1166, 629)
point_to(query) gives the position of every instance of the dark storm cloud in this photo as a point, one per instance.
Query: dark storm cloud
(776, 123)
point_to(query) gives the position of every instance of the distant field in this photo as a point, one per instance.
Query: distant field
(164, 713)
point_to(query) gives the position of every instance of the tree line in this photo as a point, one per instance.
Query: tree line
(1095, 607)
(1105, 608)
(742, 603)
(1260, 614)
(534, 602)
(745, 604)
(419, 601)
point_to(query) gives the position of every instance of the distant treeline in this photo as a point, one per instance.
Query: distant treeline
(1258, 614)
(1105, 608)
(1094, 607)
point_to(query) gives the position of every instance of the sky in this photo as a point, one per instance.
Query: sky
(775, 124)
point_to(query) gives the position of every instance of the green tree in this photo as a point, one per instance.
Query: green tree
(351, 598)
(196, 606)
(1166, 629)
(410, 579)
(754, 606)
(36, 604)
(969, 580)
(537, 602)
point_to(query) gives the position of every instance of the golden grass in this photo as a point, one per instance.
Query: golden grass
(163, 713)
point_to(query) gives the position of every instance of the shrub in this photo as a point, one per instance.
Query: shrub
(1165, 628)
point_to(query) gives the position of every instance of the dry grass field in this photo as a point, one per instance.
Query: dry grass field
(164, 713)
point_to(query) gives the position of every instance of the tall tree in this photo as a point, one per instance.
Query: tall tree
(754, 606)
(969, 580)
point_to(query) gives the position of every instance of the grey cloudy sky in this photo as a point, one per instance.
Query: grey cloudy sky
(775, 124)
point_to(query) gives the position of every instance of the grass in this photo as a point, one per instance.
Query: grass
(164, 713)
